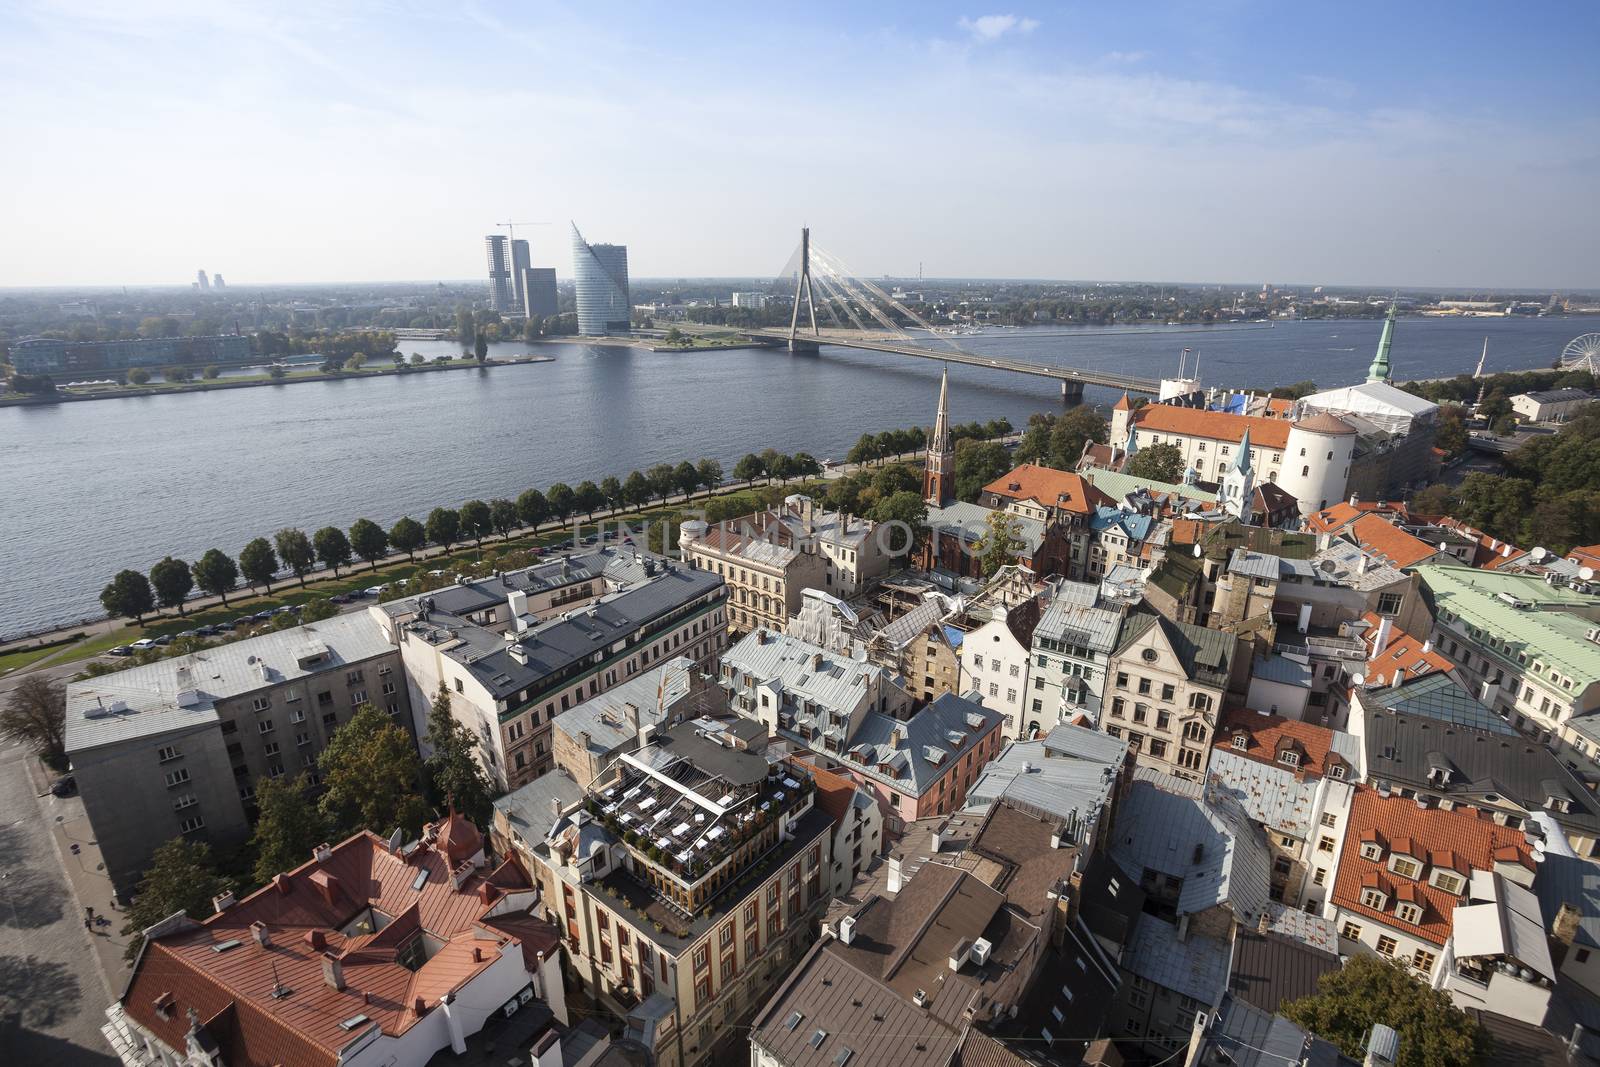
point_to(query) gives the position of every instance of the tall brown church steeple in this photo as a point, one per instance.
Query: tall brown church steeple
(939, 474)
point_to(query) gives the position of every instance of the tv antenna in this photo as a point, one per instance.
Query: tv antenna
(511, 227)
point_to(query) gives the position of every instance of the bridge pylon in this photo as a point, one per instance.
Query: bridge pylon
(802, 283)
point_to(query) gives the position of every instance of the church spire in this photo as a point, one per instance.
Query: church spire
(938, 477)
(1379, 371)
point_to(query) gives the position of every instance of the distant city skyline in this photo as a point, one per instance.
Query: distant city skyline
(1379, 148)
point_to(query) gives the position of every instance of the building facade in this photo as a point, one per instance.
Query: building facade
(600, 274)
(1166, 685)
(539, 292)
(502, 282)
(51, 356)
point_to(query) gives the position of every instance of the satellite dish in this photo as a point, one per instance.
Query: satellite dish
(1359, 679)
(1538, 553)
(1198, 551)
(1586, 573)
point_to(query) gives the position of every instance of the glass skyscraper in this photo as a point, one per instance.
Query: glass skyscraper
(502, 289)
(601, 276)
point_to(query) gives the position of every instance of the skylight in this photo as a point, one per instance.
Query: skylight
(224, 946)
(793, 1020)
(353, 1022)
(818, 1038)
(843, 1057)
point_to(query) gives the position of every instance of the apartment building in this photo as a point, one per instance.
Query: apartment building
(1166, 684)
(1526, 647)
(997, 660)
(1071, 650)
(1063, 502)
(371, 954)
(769, 559)
(685, 885)
(858, 837)
(176, 747)
(922, 650)
(507, 685)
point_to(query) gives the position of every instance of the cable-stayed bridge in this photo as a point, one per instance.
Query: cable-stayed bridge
(864, 316)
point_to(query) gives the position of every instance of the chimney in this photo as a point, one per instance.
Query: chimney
(420, 1005)
(847, 929)
(222, 901)
(317, 940)
(333, 971)
(1261, 922)
(1385, 625)
(281, 881)
(1399, 675)
(1427, 646)
(322, 853)
(477, 954)
(486, 892)
(258, 930)
(1565, 926)
(555, 808)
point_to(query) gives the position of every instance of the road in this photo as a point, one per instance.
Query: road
(52, 993)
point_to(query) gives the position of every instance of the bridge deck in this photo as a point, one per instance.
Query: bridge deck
(953, 355)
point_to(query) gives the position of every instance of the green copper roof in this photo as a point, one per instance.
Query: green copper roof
(1117, 485)
(1379, 371)
(1550, 630)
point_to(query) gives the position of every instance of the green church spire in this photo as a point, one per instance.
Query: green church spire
(1379, 371)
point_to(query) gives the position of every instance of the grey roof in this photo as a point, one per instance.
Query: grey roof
(1405, 748)
(838, 683)
(1085, 626)
(1196, 966)
(181, 692)
(1339, 562)
(1243, 1035)
(1271, 795)
(1253, 564)
(1567, 879)
(899, 632)
(1555, 396)
(1283, 670)
(1199, 834)
(530, 810)
(972, 521)
(1069, 775)
(558, 643)
(1269, 969)
(1206, 655)
(621, 564)
(605, 718)
(873, 743)
(1438, 696)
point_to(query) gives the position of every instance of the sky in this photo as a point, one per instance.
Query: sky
(1415, 144)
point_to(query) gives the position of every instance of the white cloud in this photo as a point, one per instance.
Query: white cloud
(1126, 57)
(994, 27)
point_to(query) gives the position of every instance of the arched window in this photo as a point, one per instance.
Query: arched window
(1305, 472)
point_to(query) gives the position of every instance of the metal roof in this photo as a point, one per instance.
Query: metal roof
(1070, 774)
(1254, 564)
(1244, 1035)
(1271, 795)
(1551, 629)
(928, 728)
(1076, 624)
(1503, 920)
(605, 718)
(1269, 968)
(1438, 696)
(182, 692)
(1206, 655)
(530, 810)
(1283, 670)
(803, 671)
(1196, 966)
(972, 520)
(1565, 879)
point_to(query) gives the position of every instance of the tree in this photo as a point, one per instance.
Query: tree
(455, 777)
(1072, 430)
(1000, 545)
(588, 498)
(896, 478)
(503, 516)
(36, 715)
(661, 479)
(407, 535)
(1369, 989)
(864, 451)
(259, 563)
(1451, 435)
(333, 547)
(216, 573)
(749, 468)
(710, 473)
(611, 489)
(636, 490)
(1159, 463)
(288, 825)
(277, 373)
(674, 336)
(906, 507)
(687, 478)
(480, 347)
(804, 465)
(316, 610)
(172, 582)
(181, 877)
(466, 332)
(476, 521)
(562, 500)
(368, 541)
(177, 373)
(370, 775)
(128, 596)
(532, 508)
(1436, 499)
(295, 551)
(212, 371)
(138, 376)
(977, 464)
(444, 526)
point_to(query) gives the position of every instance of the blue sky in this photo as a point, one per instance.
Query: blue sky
(1382, 144)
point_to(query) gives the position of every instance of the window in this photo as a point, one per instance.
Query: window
(187, 800)
(702, 957)
(297, 715)
(191, 824)
(358, 696)
(1423, 961)
(167, 753)
(1319, 875)
(1168, 691)
(1370, 850)
(261, 703)
(1328, 819)
(1405, 868)
(353, 678)
(1158, 749)
(1336, 772)
(1351, 932)
(265, 726)
(1289, 758)
(177, 777)
(1386, 945)
(271, 748)
(1122, 680)
(1389, 604)
(1408, 913)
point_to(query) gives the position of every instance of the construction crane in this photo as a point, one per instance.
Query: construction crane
(511, 227)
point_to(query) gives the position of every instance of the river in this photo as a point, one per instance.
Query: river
(89, 488)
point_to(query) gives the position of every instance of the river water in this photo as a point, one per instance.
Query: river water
(89, 488)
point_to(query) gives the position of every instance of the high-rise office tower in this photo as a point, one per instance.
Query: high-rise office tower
(600, 274)
(519, 263)
(201, 282)
(539, 291)
(217, 282)
(502, 290)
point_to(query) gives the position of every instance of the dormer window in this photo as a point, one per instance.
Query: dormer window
(1374, 898)
(1371, 850)
(1404, 867)
(1336, 772)
(1449, 881)
(1561, 804)
(1241, 740)
(1289, 758)
(1407, 912)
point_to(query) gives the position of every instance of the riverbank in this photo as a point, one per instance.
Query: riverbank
(210, 385)
(652, 344)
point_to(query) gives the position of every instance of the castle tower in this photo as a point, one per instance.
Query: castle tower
(939, 470)
(1121, 419)
(1316, 460)
(1239, 483)
(1380, 371)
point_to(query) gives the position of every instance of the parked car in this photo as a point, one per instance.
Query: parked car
(120, 650)
(262, 616)
(144, 643)
(64, 786)
(207, 630)
(244, 622)
(287, 609)
(375, 590)
(164, 639)
(190, 633)
(340, 598)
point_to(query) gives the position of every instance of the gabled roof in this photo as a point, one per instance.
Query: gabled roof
(1389, 542)
(1404, 652)
(1271, 795)
(1212, 425)
(1051, 488)
(1270, 968)
(1069, 774)
(1205, 655)
(1318, 746)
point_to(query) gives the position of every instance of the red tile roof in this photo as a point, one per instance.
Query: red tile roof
(1403, 652)
(1268, 732)
(1050, 487)
(1383, 538)
(1585, 556)
(1333, 518)
(303, 913)
(1448, 838)
(1213, 425)
(1492, 553)
(834, 791)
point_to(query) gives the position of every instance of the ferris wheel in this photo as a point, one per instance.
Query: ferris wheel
(1582, 353)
